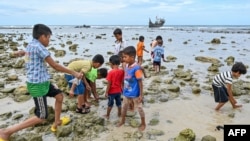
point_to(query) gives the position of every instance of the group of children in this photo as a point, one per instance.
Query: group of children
(124, 78)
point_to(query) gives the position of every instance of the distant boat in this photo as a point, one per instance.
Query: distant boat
(83, 26)
(159, 22)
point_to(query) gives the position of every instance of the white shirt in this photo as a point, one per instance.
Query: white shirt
(119, 46)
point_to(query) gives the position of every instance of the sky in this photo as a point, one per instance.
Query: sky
(124, 12)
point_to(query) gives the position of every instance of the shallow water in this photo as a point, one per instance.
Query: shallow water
(186, 111)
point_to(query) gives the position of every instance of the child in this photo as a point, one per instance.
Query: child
(120, 44)
(222, 85)
(91, 79)
(140, 49)
(115, 84)
(158, 53)
(82, 66)
(154, 44)
(133, 87)
(38, 82)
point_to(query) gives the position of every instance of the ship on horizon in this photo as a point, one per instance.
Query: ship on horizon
(159, 22)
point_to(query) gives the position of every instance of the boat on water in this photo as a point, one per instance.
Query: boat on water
(159, 22)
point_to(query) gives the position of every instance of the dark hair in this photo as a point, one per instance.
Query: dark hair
(158, 37)
(115, 60)
(141, 38)
(98, 58)
(102, 72)
(159, 42)
(117, 31)
(239, 67)
(41, 29)
(130, 51)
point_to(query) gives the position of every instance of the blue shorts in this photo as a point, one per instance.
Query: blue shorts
(116, 97)
(220, 94)
(80, 89)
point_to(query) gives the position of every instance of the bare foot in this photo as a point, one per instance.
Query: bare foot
(106, 116)
(3, 135)
(142, 127)
(119, 124)
(237, 106)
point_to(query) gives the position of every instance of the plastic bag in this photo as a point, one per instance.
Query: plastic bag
(75, 81)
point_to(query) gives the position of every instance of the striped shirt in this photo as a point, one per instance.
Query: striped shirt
(223, 78)
(35, 64)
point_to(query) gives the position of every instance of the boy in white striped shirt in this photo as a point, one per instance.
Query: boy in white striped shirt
(222, 85)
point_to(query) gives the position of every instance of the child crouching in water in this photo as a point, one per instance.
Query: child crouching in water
(115, 83)
(133, 86)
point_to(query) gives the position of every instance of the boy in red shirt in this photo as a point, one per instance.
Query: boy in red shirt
(115, 83)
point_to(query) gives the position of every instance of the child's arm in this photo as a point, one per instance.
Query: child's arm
(162, 56)
(61, 68)
(93, 87)
(141, 90)
(145, 49)
(72, 89)
(86, 82)
(230, 95)
(107, 89)
(18, 53)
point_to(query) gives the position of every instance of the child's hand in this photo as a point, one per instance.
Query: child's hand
(106, 95)
(78, 75)
(71, 93)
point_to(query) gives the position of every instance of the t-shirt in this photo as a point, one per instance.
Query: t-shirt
(92, 74)
(223, 78)
(119, 46)
(115, 77)
(35, 64)
(80, 65)
(140, 47)
(133, 73)
(158, 51)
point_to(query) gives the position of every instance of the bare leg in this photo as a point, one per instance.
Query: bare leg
(81, 100)
(6, 133)
(58, 109)
(123, 115)
(108, 112)
(219, 106)
(142, 115)
(119, 111)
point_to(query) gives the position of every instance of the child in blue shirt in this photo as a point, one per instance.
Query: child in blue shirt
(158, 53)
(133, 87)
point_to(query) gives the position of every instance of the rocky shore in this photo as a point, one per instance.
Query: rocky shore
(176, 82)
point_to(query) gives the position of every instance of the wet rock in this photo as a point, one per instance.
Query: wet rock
(19, 63)
(31, 137)
(69, 42)
(216, 41)
(60, 53)
(173, 88)
(5, 116)
(3, 95)
(208, 138)
(157, 80)
(155, 132)
(230, 60)
(134, 123)
(171, 58)
(213, 68)
(73, 47)
(21, 90)
(196, 90)
(7, 90)
(1, 84)
(130, 114)
(154, 122)
(163, 99)
(98, 37)
(169, 80)
(22, 98)
(63, 131)
(186, 135)
(18, 116)
(12, 77)
(207, 59)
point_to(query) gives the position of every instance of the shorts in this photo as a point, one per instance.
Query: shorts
(156, 63)
(41, 107)
(116, 97)
(135, 101)
(79, 90)
(220, 94)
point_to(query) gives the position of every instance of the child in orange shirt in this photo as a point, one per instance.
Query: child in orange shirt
(140, 49)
